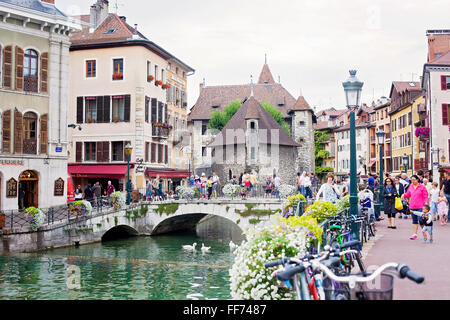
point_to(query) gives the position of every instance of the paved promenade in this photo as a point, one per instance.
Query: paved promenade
(430, 260)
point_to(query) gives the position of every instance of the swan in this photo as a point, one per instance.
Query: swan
(232, 246)
(205, 249)
(190, 248)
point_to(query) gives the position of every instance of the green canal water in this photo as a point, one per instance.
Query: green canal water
(140, 268)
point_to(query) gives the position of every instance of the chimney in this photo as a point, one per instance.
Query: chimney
(201, 86)
(49, 1)
(99, 12)
(123, 18)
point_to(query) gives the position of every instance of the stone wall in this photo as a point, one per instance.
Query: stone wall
(304, 135)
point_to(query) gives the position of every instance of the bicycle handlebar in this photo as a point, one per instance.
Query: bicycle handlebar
(349, 244)
(289, 272)
(277, 262)
(404, 271)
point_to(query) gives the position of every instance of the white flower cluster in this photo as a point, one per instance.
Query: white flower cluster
(119, 200)
(250, 280)
(88, 206)
(286, 190)
(231, 190)
(38, 219)
(185, 192)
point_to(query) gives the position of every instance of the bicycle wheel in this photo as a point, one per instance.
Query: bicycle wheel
(372, 227)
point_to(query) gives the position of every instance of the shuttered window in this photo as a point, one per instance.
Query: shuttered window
(44, 72)
(103, 151)
(79, 109)
(118, 108)
(91, 68)
(160, 111)
(20, 69)
(166, 154)
(90, 110)
(154, 110)
(445, 108)
(18, 132)
(153, 153)
(160, 153)
(44, 134)
(6, 131)
(106, 109)
(127, 110)
(147, 147)
(7, 67)
(30, 70)
(90, 151)
(79, 152)
(147, 109)
(117, 151)
(99, 110)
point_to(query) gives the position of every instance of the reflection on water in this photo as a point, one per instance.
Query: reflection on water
(134, 268)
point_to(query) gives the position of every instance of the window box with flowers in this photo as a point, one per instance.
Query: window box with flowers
(116, 119)
(117, 76)
(165, 86)
(150, 78)
(89, 120)
(422, 133)
(158, 83)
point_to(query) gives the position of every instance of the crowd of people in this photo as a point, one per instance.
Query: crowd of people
(403, 197)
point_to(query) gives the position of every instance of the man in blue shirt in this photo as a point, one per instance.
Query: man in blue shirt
(371, 182)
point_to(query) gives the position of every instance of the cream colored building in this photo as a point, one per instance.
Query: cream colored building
(34, 57)
(118, 96)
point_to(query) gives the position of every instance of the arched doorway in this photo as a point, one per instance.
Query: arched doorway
(28, 192)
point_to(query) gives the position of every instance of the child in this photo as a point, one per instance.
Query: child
(209, 184)
(442, 208)
(434, 198)
(426, 222)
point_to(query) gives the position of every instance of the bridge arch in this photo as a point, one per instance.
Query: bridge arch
(119, 232)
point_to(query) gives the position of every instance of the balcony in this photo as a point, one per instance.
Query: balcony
(29, 146)
(160, 130)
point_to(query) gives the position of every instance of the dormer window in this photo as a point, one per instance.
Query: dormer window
(215, 107)
(252, 125)
(110, 31)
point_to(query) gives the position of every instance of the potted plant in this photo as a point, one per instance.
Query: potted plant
(158, 82)
(35, 217)
(80, 208)
(422, 132)
(150, 78)
(117, 76)
(165, 86)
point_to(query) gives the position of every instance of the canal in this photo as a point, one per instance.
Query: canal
(138, 268)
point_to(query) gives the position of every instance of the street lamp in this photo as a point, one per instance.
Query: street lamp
(128, 151)
(352, 89)
(405, 162)
(380, 136)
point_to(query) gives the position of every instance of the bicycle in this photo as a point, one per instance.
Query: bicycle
(309, 284)
(355, 287)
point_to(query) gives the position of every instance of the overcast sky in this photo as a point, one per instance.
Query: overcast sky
(310, 44)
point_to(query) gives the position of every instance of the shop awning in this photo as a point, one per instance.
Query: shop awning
(448, 170)
(115, 171)
(152, 173)
(371, 164)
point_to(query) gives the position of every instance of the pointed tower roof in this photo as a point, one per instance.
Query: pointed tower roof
(266, 76)
(252, 109)
(301, 105)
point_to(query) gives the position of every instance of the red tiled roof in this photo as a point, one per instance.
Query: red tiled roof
(266, 126)
(266, 76)
(221, 96)
(301, 105)
(402, 86)
(441, 60)
(322, 125)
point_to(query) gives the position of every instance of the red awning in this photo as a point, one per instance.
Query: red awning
(167, 173)
(448, 170)
(371, 164)
(115, 171)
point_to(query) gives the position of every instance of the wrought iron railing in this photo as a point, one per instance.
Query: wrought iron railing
(29, 146)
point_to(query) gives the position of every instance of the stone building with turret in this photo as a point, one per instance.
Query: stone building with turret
(296, 112)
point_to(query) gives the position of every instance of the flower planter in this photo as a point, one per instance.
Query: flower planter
(117, 76)
(150, 78)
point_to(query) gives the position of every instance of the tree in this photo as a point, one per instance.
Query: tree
(278, 116)
(220, 119)
(319, 151)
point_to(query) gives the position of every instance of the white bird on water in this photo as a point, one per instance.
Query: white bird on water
(205, 249)
(190, 248)
(232, 246)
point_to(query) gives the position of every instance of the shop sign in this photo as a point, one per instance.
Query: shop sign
(59, 187)
(11, 188)
(4, 162)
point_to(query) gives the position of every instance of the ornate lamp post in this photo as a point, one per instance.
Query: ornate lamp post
(405, 162)
(353, 88)
(380, 136)
(128, 151)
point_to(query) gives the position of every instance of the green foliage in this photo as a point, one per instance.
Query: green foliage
(238, 221)
(68, 230)
(254, 221)
(321, 210)
(278, 116)
(220, 119)
(313, 229)
(99, 225)
(319, 149)
(344, 203)
(255, 212)
(321, 171)
(168, 209)
(116, 221)
(143, 210)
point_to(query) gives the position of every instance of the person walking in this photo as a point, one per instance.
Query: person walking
(155, 185)
(148, 190)
(442, 207)
(253, 184)
(276, 185)
(78, 193)
(216, 184)
(89, 194)
(390, 193)
(446, 189)
(434, 195)
(210, 186)
(299, 183)
(98, 194)
(269, 187)
(160, 189)
(399, 191)
(371, 182)
(329, 191)
(308, 184)
(418, 195)
(110, 189)
(203, 181)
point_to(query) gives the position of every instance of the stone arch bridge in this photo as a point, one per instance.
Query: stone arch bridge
(146, 219)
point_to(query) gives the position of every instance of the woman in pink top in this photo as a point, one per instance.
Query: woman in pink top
(419, 197)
